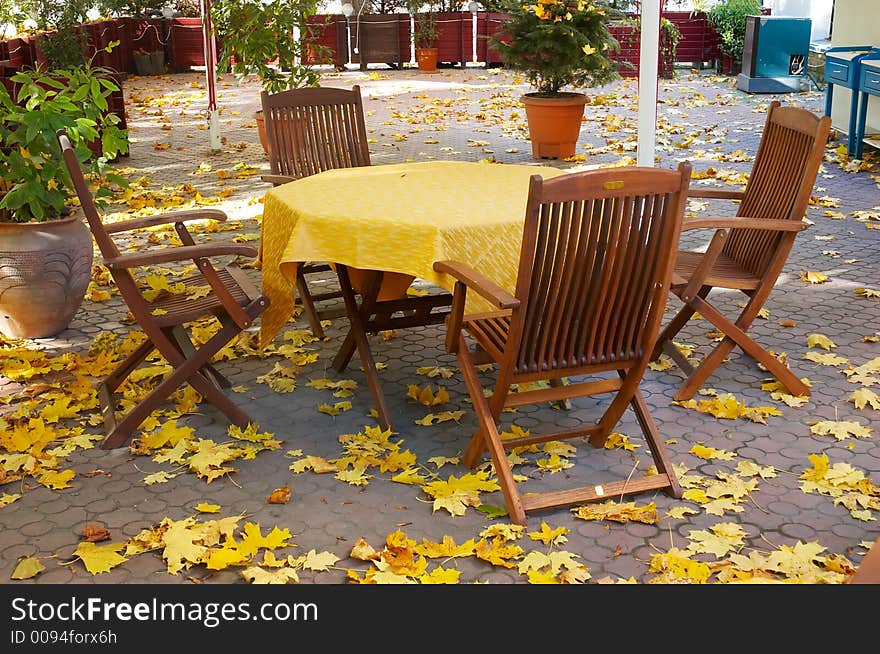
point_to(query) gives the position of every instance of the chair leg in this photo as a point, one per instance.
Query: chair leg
(356, 332)
(670, 331)
(180, 338)
(186, 370)
(488, 434)
(308, 305)
(735, 334)
(655, 443)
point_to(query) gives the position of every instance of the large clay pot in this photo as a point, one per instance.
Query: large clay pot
(44, 273)
(554, 124)
(427, 59)
(261, 130)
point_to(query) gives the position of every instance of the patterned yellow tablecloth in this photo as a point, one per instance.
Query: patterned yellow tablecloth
(399, 218)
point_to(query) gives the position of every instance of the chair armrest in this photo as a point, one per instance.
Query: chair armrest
(745, 222)
(167, 218)
(478, 282)
(715, 193)
(179, 254)
(277, 180)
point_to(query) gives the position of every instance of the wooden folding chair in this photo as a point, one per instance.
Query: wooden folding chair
(309, 130)
(748, 252)
(593, 280)
(232, 299)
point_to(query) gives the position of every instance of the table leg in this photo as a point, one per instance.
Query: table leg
(358, 316)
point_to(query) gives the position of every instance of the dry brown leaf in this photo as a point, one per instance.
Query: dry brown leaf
(95, 533)
(279, 495)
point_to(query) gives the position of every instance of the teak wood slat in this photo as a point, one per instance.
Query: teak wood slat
(310, 130)
(232, 299)
(593, 280)
(748, 251)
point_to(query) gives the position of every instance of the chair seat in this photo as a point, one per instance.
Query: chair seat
(726, 273)
(178, 308)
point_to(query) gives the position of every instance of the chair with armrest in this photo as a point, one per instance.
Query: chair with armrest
(592, 284)
(232, 299)
(748, 251)
(310, 130)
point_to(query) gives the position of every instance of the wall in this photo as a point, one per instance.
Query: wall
(818, 11)
(851, 28)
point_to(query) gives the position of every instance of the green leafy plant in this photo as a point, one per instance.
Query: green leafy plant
(258, 39)
(558, 43)
(75, 99)
(424, 24)
(670, 35)
(133, 8)
(728, 17)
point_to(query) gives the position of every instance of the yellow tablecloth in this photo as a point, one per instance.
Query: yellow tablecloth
(399, 218)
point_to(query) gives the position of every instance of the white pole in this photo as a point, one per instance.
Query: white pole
(648, 74)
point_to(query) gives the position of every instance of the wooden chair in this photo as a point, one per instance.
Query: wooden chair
(593, 280)
(748, 251)
(233, 300)
(309, 130)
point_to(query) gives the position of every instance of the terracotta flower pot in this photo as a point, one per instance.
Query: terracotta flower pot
(45, 270)
(261, 130)
(427, 59)
(554, 124)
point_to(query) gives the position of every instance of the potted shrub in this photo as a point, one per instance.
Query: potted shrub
(728, 17)
(257, 39)
(424, 35)
(45, 246)
(559, 46)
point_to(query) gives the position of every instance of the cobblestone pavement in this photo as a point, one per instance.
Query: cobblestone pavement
(473, 114)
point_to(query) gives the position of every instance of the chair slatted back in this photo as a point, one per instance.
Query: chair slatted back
(594, 273)
(105, 243)
(313, 129)
(779, 186)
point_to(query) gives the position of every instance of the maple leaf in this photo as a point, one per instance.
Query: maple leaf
(723, 538)
(426, 396)
(355, 476)
(159, 477)
(677, 566)
(814, 277)
(433, 419)
(436, 371)
(497, 552)
(709, 453)
(622, 512)
(253, 540)
(820, 340)
(549, 536)
(441, 575)
(56, 480)
(840, 429)
(257, 575)
(363, 551)
(204, 507)
(100, 558)
(825, 359)
(27, 568)
(334, 409)
(8, 498)
(864, 397)
(182, 545)
(319, 561)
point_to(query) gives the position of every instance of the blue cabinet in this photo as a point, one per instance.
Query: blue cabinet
(843, 68)
(869, 84)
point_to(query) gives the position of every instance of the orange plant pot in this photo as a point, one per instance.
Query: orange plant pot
(261, 130)
(554, 124)
(426, 59)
